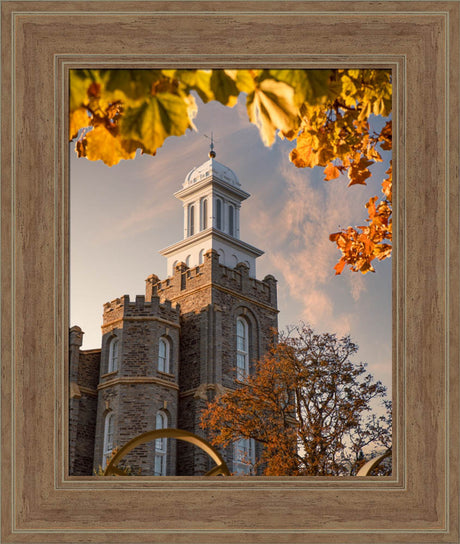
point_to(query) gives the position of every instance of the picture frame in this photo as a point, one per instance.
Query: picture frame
(41, 42)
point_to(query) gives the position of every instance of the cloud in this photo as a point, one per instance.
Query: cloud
(140, 220)
(357, 285)
(297, 225)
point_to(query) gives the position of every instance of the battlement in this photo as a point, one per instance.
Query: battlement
(211, 271)
(123, 307)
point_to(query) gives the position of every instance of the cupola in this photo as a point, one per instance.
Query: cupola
(211, 196)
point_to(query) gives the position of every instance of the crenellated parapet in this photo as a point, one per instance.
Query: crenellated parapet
(211, 271)
(124, 308)
(238, 279)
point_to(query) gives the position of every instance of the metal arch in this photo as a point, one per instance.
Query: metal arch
(220, 468)
(368, 467)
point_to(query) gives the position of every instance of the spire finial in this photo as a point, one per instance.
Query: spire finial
(212, 153)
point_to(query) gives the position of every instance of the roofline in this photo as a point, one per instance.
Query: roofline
(202, 183)
(216, 233)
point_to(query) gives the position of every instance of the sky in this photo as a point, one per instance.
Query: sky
(121, 216)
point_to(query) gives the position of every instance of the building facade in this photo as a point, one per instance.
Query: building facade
(166, 354)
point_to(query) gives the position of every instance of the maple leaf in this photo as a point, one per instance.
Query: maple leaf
(198, 80)
(331, 172)
(371, 207)
(79, 118)
(310, 86)
(359, 172)
(131, 86)
(339, 266)
(327, 111)
(386, 136)
(162, 115)
(271, 107)
(224, 87)
(102, 144)
(94, 90)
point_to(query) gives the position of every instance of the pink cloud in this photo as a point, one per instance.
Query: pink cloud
(297, 226)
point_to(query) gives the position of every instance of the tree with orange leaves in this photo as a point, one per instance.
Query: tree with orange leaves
(309, 406)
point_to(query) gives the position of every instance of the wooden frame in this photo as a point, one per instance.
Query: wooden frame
(40, 42)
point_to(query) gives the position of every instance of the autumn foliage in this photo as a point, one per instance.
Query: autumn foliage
(127, 469)
(309, 406)
(113, 113)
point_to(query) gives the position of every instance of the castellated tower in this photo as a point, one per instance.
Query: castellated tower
(134, 389)
(165, 355)
(227, 316)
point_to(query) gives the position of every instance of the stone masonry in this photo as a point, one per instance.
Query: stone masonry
(84, 377)
(211, 297)
(197, 309)
(125, 388)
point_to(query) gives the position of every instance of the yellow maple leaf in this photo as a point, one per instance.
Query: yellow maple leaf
(101, 144)
(78, 119)
(271, 107)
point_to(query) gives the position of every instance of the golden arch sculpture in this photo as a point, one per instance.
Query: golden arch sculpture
(368, 467)
(220, 468)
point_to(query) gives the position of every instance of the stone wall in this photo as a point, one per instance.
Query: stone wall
(135, 406)
(137, 389)
(197, 310)
(211, 298)
(187, 280)
(83, 375)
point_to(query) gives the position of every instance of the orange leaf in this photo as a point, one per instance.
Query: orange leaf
(331, 172)
(339, 267)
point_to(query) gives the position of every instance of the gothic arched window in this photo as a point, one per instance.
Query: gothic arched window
(242, 348)
(108, 439)
(201, 256)
(244, 456)
(219, 213)
(204, 214)
(231, 220)
(161, 422)
(164, 355)
(191, 219)
(113, 355)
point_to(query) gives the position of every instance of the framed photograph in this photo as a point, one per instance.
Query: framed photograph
(43, 499)
(243, 249)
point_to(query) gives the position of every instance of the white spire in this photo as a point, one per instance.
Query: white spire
(212, 153)
(211, 196)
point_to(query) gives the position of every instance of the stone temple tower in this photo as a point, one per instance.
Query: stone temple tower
(227, 316)
(168, 353)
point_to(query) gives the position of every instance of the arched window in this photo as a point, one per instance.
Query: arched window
(242, 348)
(161, 422)
(187, 261)
(108, 438)
(164, 355)
(221, 253)
(244, 456)
(231, 220)
(204, 214)
(201, 256)
(113, 355)
(191, 219)
(219, 213)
